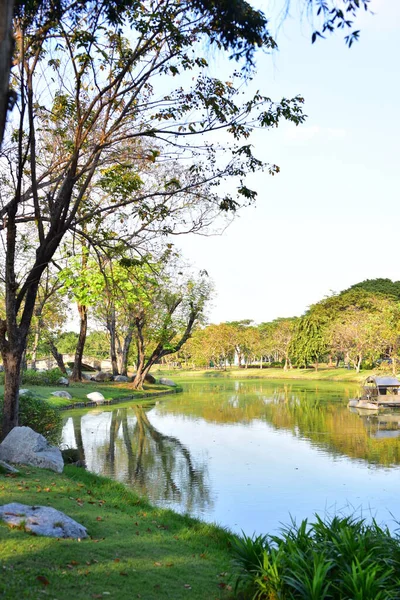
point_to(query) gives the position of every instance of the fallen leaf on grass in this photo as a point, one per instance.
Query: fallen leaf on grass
(203, 555)
(187, 586)
(170, 564)
(99, 519)
(224, 574)
(43, 579)
(158, 564)
(116, 559)
(124, 574)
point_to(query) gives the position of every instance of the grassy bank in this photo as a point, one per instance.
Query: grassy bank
(134, 549)
(110, 391)
(323, 374)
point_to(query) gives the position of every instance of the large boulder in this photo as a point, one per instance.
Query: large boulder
(25, 446)
(169, 382)
(96, 397)
(121, 378)
(62, 394)
(102, 376)
(63, 381)
(42, 520)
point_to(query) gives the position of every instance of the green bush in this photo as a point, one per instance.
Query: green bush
(50, 377)
(31, 377)
(336, 558)
(39, 415)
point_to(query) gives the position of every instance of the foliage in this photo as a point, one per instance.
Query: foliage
(39, 415)
(50, 377)
(32, 377)
(381, 285)
(336, 558)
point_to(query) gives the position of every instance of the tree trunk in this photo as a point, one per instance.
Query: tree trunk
(140, 375)
(113, 349)
(57, 357)
(125, 352)
(12, 370)
(77, 370)
(35, 342)
(6, 51)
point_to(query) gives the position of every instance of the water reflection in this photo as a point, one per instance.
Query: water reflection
(123, 444)
(247, 454)
(314, 412)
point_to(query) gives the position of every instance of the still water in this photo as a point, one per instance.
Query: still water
(249, 454)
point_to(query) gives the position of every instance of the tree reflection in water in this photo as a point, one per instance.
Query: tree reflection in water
(156, 465)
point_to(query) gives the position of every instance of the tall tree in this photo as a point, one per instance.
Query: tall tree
(90, 108)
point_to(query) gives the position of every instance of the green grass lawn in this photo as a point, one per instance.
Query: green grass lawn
(323, 374)
(134, 549)
(110, 391)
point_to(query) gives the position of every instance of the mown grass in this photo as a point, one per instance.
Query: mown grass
(110, 391)
(323, 374)
(134, 550)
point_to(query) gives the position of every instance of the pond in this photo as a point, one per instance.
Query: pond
(249, 455)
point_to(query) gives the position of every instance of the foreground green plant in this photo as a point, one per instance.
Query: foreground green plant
(334, 559)
(38, 414)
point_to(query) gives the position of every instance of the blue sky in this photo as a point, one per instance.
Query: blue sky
(331, 217)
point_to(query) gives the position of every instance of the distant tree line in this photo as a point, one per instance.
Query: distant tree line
(360, 325)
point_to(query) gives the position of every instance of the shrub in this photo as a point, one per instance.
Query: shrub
(39, 415)
(341, 557)
(31, 377)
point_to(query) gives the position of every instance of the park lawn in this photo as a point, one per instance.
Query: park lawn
(323, 374)
(134, 550)
(110, 391)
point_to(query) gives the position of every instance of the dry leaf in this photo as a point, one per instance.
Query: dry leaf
(43, 579)
(187, 586)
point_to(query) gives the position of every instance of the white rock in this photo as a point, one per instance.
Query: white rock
(22, 392)
(169, 382)
(63, 381)
(62, 394)
(42, 520)
(25, 446)
(96, 397)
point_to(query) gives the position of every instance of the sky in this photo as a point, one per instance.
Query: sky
(330, 218)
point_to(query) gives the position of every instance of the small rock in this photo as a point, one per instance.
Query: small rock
(25, 446)
(169, 382)
(42, 520)
(96, 397)
(63, 381)
(23, 392)
(102, 376)
(121, 378)
(62, 394)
